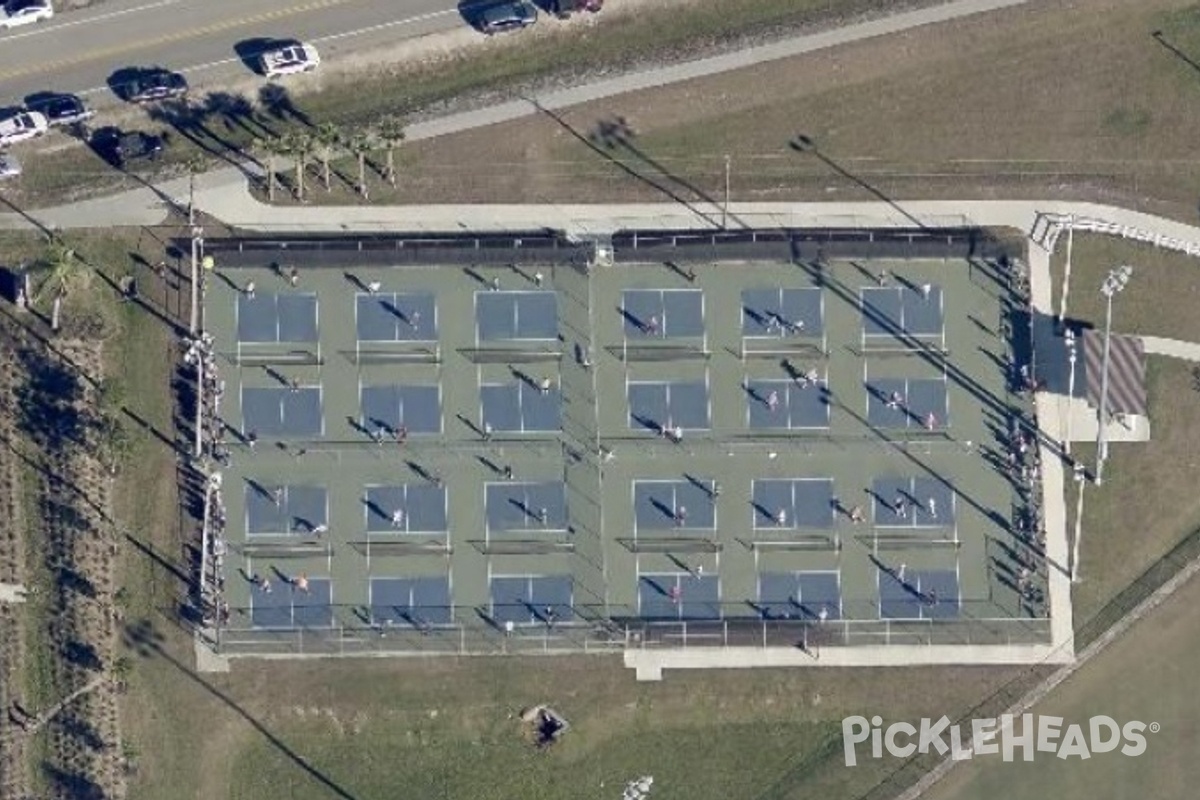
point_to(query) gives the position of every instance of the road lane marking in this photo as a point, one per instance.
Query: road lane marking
(330, 37)
(408, 21)
(56, 27)
(171, 38)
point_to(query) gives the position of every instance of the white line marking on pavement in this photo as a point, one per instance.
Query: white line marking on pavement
(357, 32)
(88, 20)
(393, 23)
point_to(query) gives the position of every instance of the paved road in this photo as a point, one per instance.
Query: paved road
(78, 51)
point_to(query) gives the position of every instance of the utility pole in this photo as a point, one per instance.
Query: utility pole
(1069, 336)
(1080, 481)
(725, 210)
(197, 243)
(1113, 285)
(1066, 287)
(199, 446)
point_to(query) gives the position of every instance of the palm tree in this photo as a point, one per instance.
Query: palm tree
(269, 147)
(391, 133)
(361, 144)
(64, 269)
(299, 145)
(327, 137)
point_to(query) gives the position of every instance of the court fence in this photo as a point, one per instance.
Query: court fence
(473, 633)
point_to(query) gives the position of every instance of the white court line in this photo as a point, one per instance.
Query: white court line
(55, 28)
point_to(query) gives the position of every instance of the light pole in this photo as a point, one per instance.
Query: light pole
(1080, 481)
(725, 208)
(1066, 287)
(197, 243)
(1113, 285)
(1069, 336)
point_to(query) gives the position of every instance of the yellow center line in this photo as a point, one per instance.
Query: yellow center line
(170, 38)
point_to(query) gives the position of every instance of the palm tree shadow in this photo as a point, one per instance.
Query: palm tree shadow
(277, 103)
(147, 642)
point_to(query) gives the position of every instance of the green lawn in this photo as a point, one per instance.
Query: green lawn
(1148, 502)
(1147, 675)
(1042, 101)
(447, 729)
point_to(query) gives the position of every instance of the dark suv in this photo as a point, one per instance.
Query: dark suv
(119, 147)
(507, 16)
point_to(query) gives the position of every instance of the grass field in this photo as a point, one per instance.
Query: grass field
(1148, 502)
(1146, 675)
(1047, 100)
(446, 729)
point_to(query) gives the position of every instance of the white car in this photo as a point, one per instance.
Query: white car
(22, 126)
(290, 60)
(24, 12)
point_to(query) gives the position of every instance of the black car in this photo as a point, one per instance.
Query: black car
(508, 16)
(119, 147)
(61, 109)
(155, 84)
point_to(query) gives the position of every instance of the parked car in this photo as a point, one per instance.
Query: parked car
(119, 147)
(25, 12)
(153, 85)
(291, 59)
(61, 109)
(9, 166)
(512, 15)
(22, 126)
(565, 8)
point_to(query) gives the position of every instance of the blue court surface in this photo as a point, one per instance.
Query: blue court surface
(520, 407)
(656, 405)
(418, 409)
(527, 507)
(922, 594)
(408, 317)
(674, 506)
(786, 405)
(414, 601)
(282, 411)
(422, 508)
(516, 316)
(679, 596)
(285, 510)
(796, 503)
(912, 503)
(908, 403)
(800, 595)
(269, 318)
(663, 313)
(286, 606)
(778, 312)
(902, 311)
(532, 599)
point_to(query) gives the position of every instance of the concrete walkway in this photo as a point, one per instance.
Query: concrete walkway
(1173, 348)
